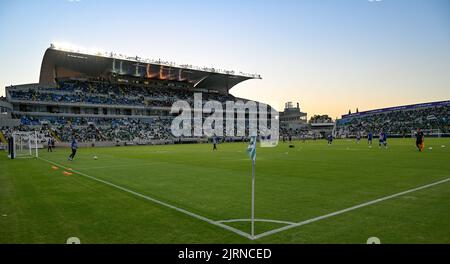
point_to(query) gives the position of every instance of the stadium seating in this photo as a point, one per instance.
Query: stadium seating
(89, 129)
(398, 123)
(395, 122)
(111, 94)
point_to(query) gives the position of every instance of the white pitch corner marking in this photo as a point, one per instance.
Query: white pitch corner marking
(239, 232)
(274, 231)
(256, 220)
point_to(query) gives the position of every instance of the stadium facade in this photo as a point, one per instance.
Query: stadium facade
(110, 97)
(117, 99)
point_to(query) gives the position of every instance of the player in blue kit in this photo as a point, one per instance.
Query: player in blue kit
(385, 139)
(74, 147)
(330, 139)
(369, 138)
(380, 139)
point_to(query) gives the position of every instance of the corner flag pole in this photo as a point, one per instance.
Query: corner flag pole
(253, 198)
(251, 150)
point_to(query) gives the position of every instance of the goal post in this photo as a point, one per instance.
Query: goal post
(428, 132)
(24, 145)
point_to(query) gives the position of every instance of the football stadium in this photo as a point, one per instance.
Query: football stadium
(107, 148)
(133, 181)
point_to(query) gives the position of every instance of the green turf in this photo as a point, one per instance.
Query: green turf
(41, 205)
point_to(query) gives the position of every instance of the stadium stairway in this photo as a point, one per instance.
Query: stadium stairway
(334, 132)
(58, 140)
(2, 138)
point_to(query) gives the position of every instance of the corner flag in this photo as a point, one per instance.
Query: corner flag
(251, 150)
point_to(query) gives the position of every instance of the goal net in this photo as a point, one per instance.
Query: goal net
(428, 132)
(24, 145)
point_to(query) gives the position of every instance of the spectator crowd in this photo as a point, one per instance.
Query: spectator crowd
(96, 92)
(399, 123)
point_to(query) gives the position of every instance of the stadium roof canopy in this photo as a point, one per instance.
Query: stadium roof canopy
(64, 63)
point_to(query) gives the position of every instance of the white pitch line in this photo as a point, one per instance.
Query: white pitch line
(229, 228)
(120, 166)
(271, 232)
(239, 232)
(256, 220)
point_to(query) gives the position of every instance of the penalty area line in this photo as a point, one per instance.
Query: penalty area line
(148, 198)
(274, 231)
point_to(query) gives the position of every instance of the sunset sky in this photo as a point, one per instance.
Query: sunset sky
(329, 55)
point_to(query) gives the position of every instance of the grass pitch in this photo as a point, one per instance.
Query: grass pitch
(41, 204)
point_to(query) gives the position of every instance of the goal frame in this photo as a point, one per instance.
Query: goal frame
(18, 147)
(436, 132)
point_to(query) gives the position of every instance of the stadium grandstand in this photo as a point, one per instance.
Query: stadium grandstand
(113, 99)
(399, 121)
(109, 98)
